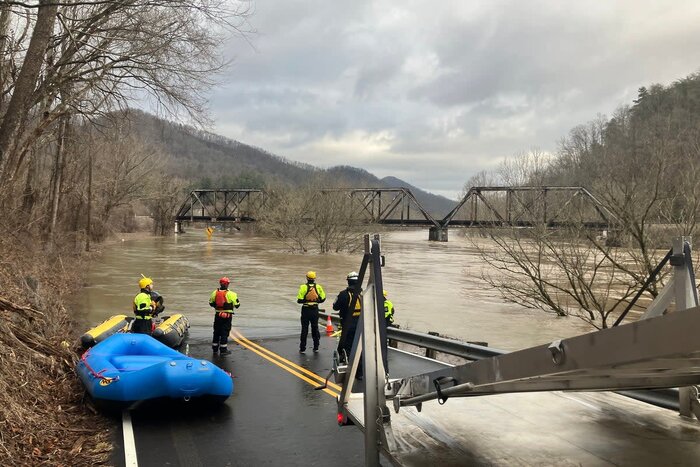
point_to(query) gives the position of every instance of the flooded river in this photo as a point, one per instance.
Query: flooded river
(434, 286)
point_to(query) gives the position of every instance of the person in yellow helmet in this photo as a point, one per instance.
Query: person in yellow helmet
(310, 295)
(388, 311)
(224, 301)
(147, 304)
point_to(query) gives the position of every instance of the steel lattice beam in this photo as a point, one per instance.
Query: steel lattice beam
(221, 205)
(389, 205)
(527, 206)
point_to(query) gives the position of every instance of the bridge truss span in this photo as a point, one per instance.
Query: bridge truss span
(553, 207)
(221, 205)
(393, 206)
(530, 206)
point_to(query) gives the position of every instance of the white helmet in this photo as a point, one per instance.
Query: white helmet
(352, 276)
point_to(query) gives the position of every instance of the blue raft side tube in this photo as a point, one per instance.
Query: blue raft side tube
(133, 367)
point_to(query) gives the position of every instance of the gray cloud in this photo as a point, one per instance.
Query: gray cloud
(433, 94)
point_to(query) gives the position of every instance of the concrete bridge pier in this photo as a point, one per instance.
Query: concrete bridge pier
(437, 234)
(178, 228)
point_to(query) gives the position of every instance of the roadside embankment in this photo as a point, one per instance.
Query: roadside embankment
(44, 419)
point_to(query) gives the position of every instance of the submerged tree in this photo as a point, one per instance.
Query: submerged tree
(557, 272)
(310, 217)
(165, 196)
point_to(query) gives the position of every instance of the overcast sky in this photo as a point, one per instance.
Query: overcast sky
(433, 92)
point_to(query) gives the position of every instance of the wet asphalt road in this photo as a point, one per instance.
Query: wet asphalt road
(272, 418)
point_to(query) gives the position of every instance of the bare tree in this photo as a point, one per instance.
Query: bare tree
(481, 178)
(111, 53)
(526, 168)
(80, 61)
(334, 223)
(643, 171)
(129, 169)
(166, 194)
(285, 217)
(21, 101)
(309, 218)
(558, 272)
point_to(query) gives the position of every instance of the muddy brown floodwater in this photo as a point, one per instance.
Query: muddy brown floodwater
(434, 286)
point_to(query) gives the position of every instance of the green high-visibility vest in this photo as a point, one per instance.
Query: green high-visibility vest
(142, 305)
(389, 310)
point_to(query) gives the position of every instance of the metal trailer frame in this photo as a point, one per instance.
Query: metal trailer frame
(660, 350)
(370, 342)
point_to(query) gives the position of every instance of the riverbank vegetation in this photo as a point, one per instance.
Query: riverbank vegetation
(43, 417)
(642, 165)
(71, 172)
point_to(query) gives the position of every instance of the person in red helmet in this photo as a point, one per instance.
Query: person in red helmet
(224, 301)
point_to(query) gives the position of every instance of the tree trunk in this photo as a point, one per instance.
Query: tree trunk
(20, 103)
(58, 178)
(4, 30)
(29, 195)
(88, 229)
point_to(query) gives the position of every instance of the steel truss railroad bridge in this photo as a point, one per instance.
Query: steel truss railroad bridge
(498, 207)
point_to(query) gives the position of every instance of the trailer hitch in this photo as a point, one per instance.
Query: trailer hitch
(340, 367)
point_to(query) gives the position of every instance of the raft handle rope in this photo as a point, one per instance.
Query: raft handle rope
(94, 373)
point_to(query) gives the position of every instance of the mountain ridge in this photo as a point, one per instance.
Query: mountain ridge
(198, 156)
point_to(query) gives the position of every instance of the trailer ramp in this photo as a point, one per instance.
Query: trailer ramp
(524, 421)
(551, 428)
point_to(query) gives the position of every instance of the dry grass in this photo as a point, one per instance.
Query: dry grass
(43, 417)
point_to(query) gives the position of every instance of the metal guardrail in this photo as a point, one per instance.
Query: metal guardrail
(442, 344)
(665, 398)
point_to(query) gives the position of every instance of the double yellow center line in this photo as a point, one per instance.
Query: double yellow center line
(300, 372)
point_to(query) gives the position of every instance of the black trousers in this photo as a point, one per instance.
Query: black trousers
(222, 328)
(309, 317)
(346, 339)
(142, 326)
(347, 335)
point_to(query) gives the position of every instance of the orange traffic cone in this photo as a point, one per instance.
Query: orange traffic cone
(329, 326)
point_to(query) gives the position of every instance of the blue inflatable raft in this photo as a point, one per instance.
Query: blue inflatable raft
(127, 368)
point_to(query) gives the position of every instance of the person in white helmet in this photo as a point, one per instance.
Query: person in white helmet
(349, 314)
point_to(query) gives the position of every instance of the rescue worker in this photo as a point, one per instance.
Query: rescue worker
(147, 304)
(349, 317)
(310, 295)
(388, 311)
(224, 301)
(158, 305)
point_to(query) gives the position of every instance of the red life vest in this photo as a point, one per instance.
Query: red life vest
(220, 299)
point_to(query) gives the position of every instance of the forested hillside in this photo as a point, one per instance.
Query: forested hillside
(207, 160)
(643, 166)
